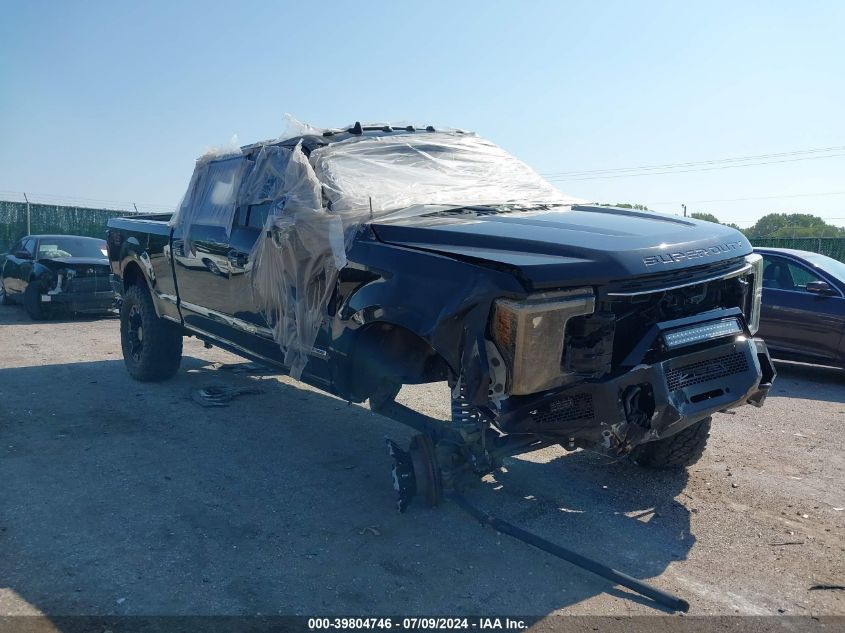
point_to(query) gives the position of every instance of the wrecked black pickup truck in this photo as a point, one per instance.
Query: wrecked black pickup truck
(365, 258)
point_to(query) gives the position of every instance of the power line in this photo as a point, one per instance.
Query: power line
(683, 171)
(783, 197)
(815, 150)
(698, 163)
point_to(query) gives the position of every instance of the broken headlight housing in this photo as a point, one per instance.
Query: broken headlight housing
(755, 294)
(530, 335)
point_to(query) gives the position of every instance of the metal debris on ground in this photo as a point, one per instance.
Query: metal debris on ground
(827, 587)
(243, 368)
(216, 396)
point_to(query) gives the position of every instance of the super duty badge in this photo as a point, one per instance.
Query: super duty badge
(695, 253)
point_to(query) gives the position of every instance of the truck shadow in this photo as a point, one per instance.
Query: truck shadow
(128, 498)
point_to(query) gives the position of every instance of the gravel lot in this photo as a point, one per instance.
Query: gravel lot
(126, 498)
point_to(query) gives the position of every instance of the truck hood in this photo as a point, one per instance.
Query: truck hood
(569, 245)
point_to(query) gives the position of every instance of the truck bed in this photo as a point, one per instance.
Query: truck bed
(156, 223)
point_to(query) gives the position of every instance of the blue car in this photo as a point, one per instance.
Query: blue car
(803, 315)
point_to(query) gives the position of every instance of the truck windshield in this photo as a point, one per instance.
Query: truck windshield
(67, 246)
(388, 173)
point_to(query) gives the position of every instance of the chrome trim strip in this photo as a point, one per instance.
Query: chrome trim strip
(246, 351)
(244, 326)
(736, 273)
(240, 324)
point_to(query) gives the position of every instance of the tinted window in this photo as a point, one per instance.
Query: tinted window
(828, 264)
(258, 214)
(29, 246)
(240, 216)
(782, 274)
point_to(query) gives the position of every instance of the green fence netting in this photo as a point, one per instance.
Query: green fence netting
(831, 246)
(48, 218)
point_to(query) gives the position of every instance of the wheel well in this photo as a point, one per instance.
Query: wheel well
(133, 275)
(384, 351)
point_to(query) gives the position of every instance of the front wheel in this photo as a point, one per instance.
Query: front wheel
(676, 451)
(4, 298)
(152, 347)
(32, 302)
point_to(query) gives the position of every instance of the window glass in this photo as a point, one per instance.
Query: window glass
(781, 274)
(29, 246)
(216, 203)
(829, 265)
(62, 246)
(258, 214)
(240, 216)
(801, 276)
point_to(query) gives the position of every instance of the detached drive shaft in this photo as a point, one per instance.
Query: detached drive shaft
(667, 599)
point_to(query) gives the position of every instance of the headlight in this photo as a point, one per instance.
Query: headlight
(530, 336)
(755, 280)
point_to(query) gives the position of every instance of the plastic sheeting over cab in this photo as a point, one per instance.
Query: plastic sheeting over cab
(321, 187)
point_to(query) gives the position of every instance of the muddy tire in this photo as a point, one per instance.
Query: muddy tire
(677, 451)
(32, 302)
(152, 347)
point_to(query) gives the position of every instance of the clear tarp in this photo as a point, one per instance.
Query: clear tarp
(322, 200)
(397, 171)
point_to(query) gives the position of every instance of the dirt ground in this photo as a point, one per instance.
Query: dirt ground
(118, 497)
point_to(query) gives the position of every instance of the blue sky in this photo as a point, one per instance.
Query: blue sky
(114, 100)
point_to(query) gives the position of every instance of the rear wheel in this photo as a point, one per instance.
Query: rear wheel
(152, 347)
(676, 451)
(32, 302)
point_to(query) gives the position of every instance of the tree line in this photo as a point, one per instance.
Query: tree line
(771, 225)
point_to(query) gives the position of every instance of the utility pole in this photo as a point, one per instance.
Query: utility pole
(28, 217)
(685, 209)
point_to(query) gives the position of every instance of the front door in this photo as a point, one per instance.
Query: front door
(795, 321)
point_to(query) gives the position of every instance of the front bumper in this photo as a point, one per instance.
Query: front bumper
(649, 401)
(94, 302)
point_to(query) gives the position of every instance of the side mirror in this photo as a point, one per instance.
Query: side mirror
(23, 255)
(820, 288)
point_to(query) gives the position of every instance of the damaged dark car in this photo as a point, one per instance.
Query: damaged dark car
(52, 273)
(365, 258)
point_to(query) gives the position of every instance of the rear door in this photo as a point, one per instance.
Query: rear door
(800, 323)
(202, 266)
(213, 276)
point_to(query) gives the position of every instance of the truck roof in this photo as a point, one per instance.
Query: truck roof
(311, 142)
